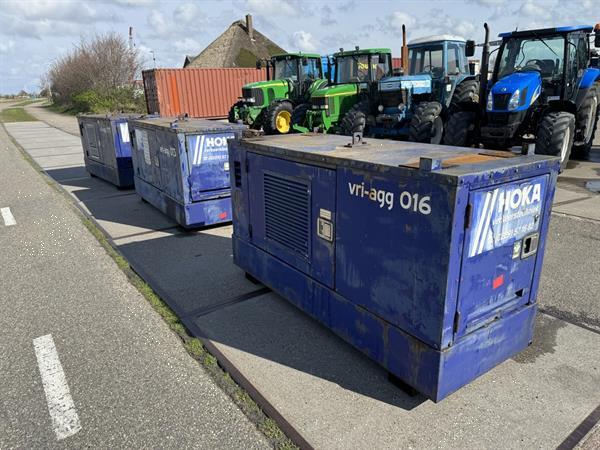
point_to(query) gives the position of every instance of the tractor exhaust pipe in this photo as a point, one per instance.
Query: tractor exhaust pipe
(404, 54)
(483, 73)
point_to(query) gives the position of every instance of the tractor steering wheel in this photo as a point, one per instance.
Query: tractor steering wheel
(533, 64)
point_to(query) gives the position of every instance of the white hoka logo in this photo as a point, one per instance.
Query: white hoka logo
(216, 141)
(503, 208)
(519, 197)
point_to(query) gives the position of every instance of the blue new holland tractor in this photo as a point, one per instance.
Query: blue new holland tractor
(542, 91)
(436, 80)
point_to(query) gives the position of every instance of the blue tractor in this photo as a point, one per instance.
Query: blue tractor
(436, 80)
(543, 91)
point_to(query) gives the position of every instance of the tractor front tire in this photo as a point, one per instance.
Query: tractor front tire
(426, 124)
(587, 121)
(555, 136)
(465, 92)
(460, 129)
(278, 118)
(299, 114)
(355, 120)
(231, 117)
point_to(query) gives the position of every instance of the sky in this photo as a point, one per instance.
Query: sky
(35, 32)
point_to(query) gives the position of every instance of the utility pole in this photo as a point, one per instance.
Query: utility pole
(153, 58)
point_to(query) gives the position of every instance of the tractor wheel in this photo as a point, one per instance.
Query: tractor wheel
(355, 120)
(587, 121)
(278, 118)
(555, 136)
(299, 114)
(426, 124)
(231, 117)
(465, 92)
(460, 128)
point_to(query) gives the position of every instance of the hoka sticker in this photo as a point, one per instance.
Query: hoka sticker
(505, 214)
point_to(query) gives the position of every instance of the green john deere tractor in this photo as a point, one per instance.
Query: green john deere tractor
(356, 74)
(291, 78)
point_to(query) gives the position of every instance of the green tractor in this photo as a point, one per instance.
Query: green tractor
(356, 75)
(291, 78)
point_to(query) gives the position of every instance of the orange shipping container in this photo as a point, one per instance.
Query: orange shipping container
(207, 93)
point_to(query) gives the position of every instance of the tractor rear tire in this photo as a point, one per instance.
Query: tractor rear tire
(426, 124)
(587, 121)
(460, 129)
(355, 120)
(465, 92)
(278, 118)
(555, 136)
(299, 114)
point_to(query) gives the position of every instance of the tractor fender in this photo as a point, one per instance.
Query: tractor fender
(590, 76)
(561, 105)
(459, 81)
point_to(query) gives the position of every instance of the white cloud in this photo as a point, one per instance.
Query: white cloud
(271, 7)
(188, 46)
(392, 23)
(187, 13)
(160, 25)
(303, 41)
(534, 10)
(6, 46)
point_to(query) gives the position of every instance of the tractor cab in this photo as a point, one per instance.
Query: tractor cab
(299, 69)
(444, 59)
(357, 73)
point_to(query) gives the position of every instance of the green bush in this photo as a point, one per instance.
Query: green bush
(123, 99)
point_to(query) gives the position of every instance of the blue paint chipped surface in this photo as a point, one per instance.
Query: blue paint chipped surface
(381, 255)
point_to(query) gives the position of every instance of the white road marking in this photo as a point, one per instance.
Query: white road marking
(65, 420)
(9, 219)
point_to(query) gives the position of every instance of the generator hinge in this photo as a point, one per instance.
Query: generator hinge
(468, 216)
(247, 165)
(249, 230)
(456, 321)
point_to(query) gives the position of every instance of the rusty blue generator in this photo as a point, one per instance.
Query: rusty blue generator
(107, 147)
(181, 167)
(426, 258)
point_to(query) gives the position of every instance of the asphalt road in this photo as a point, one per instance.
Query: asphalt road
(112, 375)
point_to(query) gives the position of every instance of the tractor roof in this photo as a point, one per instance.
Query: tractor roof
(296, 55)
(546, 31)
(362, 51)
(436, 38)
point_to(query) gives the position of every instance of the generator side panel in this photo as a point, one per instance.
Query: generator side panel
(393, 241)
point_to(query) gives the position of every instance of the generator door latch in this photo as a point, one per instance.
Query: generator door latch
(325, 229)
(530, 245)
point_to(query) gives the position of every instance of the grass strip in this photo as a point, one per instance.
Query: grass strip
(16, 115)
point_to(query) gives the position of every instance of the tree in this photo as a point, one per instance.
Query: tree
(103, 69)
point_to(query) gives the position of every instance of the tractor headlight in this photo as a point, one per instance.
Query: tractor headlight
(380, 108)
(490, 102)
(513, 103)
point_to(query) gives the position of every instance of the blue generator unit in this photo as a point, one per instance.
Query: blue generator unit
(181, 167)
(107, 147)
(426, 258)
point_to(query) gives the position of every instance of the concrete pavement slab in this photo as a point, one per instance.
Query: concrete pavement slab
(93, 188)
(67, 173)
(586, 207)
(73, 159)
(340, 399)
(53, 151)
(194, 270)
(124, 215)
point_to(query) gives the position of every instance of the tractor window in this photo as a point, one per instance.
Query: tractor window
(312, 70)
(352, 69)
(426, 60)
(545, 55)
(380, 70)
(456, 62)
(286, 68)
